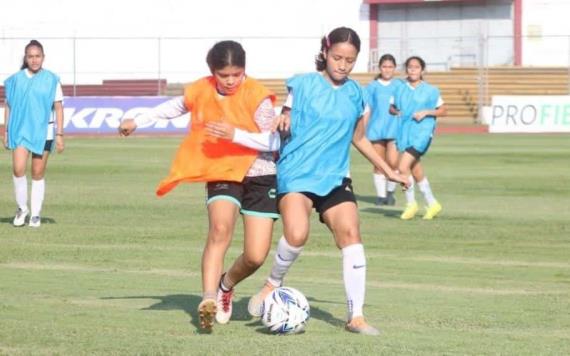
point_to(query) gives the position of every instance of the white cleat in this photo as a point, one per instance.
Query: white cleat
(255, 305)
(20, 218)
(35, 221)
(224, 306)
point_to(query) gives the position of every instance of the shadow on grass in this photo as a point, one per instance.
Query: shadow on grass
(188, 303)
(10, 220)
(389, 213)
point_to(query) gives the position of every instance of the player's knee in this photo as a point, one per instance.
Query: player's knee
(37, 174)
(347, 235)
(296, 237)
(219, 232)
(254, 261)
(19, 171)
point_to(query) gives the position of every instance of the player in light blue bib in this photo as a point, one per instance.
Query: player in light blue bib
(382, 127)
(325, 110)
(418, 104)
(33, 106)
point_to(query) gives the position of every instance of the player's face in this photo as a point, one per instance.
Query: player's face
(34, 58)
(387, 69)
(414, 71)
(341, 58)
(229, 79)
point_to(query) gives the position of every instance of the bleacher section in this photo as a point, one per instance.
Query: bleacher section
(460, 87)
(134, 87)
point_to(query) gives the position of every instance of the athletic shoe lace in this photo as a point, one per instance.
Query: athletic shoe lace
(227, 300)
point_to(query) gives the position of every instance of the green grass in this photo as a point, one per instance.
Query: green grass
(115, 270)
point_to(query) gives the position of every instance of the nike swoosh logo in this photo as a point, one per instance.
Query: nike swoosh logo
(359, 266)
(283, 259)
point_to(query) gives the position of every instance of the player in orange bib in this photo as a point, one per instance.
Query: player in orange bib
(228, 109)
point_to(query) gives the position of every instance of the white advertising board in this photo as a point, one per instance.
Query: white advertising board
(530, 114)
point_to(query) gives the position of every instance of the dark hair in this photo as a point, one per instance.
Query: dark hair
(419, 59)
(225, 53)
(338, 35)
(33, 43)
(384, 58)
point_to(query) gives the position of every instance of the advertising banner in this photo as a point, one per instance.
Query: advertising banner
(530, 114)
(102, 115)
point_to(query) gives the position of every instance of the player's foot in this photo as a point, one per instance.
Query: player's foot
(359, 326)
(410, 211)
(35, 221)
(224, 306)
(207, 313)
(380, 201)
(390, 200)
(256, 302)
(20, 218)
(432, 211)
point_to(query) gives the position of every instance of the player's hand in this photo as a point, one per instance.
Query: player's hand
(220, 130)
(419, 116)
(398, 178)
(127, 127)
(59, 144)
(282, 123)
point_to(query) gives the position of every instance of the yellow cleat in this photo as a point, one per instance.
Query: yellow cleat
(410, 211)
(432, 211)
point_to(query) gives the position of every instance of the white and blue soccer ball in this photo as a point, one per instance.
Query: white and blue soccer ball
(285, 311)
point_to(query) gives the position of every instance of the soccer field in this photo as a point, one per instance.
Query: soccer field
(115, 270)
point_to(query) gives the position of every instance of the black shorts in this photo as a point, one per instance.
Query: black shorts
(48, 146)
(341, 194)
(256, 196)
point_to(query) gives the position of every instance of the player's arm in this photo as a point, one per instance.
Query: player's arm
(440, 110)
(165, 111)
(264, 141)
(364, 146)
(6, 118)
(58, 108)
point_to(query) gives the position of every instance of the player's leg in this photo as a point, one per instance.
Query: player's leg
(295, 209)
(259, 210)
(19, 162)
(39, 165)
(342, 219)
(421, 144)
(378, 175)
(433, 207)
(257, 243)
(407, 160)
(392, 156)
(222, 214)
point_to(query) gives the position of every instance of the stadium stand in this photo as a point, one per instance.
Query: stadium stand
(460, 86)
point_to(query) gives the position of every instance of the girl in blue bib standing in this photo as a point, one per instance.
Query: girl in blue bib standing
(418, 104)
(382, 127)
(325, 110)
(33, 110)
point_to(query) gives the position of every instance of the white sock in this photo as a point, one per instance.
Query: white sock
(425, 188)
(354, 275)
(391, 186)
(380, 185)
(21, 191)
(38, 191)
(284, 258)
(410, 193)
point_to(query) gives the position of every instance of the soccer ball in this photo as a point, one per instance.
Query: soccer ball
(285, 311)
